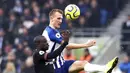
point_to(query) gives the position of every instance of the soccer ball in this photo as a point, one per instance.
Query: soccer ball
(72, 12)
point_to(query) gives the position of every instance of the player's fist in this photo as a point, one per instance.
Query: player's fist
(90, 43)
(65, 34)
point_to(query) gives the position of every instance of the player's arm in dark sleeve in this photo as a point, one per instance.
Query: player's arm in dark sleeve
(55, 53)
(45, 56)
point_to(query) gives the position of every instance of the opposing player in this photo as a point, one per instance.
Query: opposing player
(43, 60)
(54, 40)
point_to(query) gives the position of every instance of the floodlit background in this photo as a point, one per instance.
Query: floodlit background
(106, 21)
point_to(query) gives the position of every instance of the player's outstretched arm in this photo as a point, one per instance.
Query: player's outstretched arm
(78, 46)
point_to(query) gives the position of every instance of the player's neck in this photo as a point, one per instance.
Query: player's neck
(52, 26)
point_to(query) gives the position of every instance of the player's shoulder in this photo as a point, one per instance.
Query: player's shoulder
(38, 55)
(50, 32)
(39, 52)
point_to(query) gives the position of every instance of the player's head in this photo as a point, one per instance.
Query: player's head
(56, 16)
(41, 43)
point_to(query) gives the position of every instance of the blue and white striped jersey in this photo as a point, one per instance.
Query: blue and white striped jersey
(54, 39)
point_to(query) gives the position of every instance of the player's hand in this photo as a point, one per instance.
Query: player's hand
(65, 34)
(90, 43)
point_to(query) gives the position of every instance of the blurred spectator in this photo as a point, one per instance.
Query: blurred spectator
(25, 34)
(12, 23)
(19, 52)
(7, 5)
(25, 38)
(8, 48)
(86, 57)
(1, 58)
(37, 28)
(51, 2)
(125, 31)
(33, 31)
(26, 3)
(27, 24)
(36, 12)
(83, 6)
(18, 8)
(68, 55)
(94, 19)
(2, 40)
(27, 15)
(111, 6)
(125, 65)
(26, 43)
(61, 4)
(104, 11)
(44, 19)
(27, 52)
(2, 18)
(10, 68)
(11, 28)
(104, 16)
(46, 8)
(69, 24)
(28, 67)
(41, 2)
(82, 22)
(34, 4)
(10, 58)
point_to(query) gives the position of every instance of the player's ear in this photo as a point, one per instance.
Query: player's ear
(51, 17)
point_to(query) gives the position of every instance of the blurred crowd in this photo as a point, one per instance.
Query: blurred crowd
(124, 66)
(125, 32)
(22, 20)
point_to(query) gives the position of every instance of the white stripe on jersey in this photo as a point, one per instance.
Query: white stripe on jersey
(57, 62)
(53, 64)
(50, 43)
(62, 59)
(59, 58)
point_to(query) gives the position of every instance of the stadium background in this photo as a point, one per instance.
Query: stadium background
(22, 20)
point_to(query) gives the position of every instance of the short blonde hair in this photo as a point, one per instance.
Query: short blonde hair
(55, 10)
(10, 66)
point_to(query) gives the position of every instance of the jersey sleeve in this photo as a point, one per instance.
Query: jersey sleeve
(41, 55)
(55, 37)
(52, 35)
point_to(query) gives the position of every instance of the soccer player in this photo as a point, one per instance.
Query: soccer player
(42, 59)
(54, 40)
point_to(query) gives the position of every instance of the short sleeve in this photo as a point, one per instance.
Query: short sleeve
(40, 55)
(52, 35)
(55, 37)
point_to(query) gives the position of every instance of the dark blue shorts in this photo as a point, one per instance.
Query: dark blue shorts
(65, 67)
